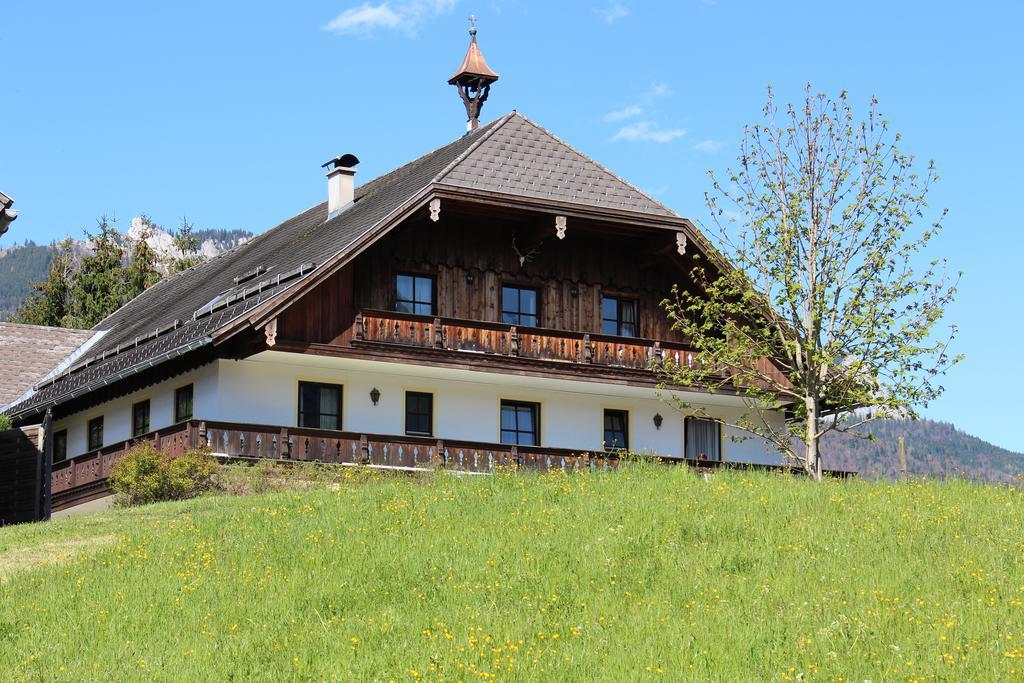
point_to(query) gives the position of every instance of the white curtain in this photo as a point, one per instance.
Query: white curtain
(703, 437)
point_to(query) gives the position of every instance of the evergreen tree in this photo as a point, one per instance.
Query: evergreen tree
(98, 288)
(187, 244)
(141, 272)
(48, 303)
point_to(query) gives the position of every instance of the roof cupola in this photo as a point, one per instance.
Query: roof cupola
(473, 80)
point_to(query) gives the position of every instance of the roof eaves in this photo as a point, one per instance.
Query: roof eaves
(106, 380)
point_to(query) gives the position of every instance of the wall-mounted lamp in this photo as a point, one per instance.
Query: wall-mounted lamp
(574, 289)
(469, 277)
(658, 419)
(375, 395)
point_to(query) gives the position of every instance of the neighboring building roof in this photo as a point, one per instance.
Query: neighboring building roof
(7, 214)
(510, 157)
(29, 352)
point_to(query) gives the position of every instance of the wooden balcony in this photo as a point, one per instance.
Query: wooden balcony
(513, 342)
(84, 478)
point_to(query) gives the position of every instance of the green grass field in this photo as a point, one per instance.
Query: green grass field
(645, 573)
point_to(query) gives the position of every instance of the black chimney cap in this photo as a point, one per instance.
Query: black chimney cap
(344, 161)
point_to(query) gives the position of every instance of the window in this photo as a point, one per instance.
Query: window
(183, 404)
(703, 439)
(60, 445)
(96, 433)
(520, 423)
(414, 294)
(319, 405)
(618, 317)
(519, 306)
(140, 418)
(616, 429)
(419, 413)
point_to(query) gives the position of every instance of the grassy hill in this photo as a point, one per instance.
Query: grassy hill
(933, 449)
(642, 574)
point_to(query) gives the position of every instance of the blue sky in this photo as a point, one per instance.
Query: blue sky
(225, 111)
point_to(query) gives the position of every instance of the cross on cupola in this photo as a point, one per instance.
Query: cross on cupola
(473, 80)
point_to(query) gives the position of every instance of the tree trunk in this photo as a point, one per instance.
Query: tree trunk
(812, 458)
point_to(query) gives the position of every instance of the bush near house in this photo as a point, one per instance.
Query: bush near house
(5, 422)
(145, 475)
(649, 573)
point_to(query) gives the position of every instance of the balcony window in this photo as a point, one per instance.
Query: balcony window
(140, 418)
(60, 445)
(520, 423)
(419, 413)
(414, 294)
(703, 439)
(619, 317)
(183, 403)
(519, 306)
(319, 405)
(616, 430)
(95, 433)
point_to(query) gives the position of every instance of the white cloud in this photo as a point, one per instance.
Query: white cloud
(709, 146)
(611, 12)
(403, 15)
(659, 90)
(646, 131)
(624, 113)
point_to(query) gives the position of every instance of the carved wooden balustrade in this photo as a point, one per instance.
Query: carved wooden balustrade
(450, 334)
(85, 477)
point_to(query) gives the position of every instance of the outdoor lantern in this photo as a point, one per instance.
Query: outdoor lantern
(375, 395)
(658, 420)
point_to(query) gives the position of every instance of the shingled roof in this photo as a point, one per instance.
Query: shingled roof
(29, 352)
(511, 157)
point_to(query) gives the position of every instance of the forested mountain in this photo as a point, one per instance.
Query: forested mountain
(22, 265)
(934, 449)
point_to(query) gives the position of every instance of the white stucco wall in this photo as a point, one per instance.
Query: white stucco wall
(117, 413)
(263, 389)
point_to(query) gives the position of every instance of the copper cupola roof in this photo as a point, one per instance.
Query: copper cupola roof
(474, 66)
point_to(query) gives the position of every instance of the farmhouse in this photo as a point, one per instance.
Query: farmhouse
(495, 300)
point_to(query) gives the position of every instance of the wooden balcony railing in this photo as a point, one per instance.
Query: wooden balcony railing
(83, 478)
(452, 334)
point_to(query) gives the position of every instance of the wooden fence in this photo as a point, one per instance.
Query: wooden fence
(21, 475)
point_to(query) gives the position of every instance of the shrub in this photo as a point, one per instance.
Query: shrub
(5, 422)
(146, 475)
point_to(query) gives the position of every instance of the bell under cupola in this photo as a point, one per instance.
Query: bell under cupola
(473, 80)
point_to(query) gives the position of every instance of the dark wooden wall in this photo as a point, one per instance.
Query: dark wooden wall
(19, 475)
(325, 315)
(627, 265)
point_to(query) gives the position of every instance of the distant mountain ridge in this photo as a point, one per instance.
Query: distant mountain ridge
(935, 449)
(22, 265)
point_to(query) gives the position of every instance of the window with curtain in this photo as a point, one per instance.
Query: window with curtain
(616, 430)
(140, 418)
(419, 413)
(619, 317)
(95, 433)
(414, 294)
(60, 445)
(319, 405)
(183, 404)
(520, 423)
(519, 306)
(703, 439)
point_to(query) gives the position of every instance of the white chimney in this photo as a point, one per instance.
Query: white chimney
(341, 183)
